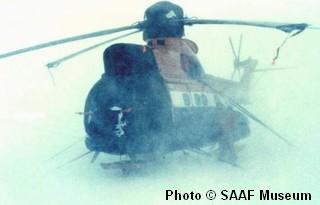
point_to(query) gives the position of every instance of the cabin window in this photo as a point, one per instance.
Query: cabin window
(204, 99)
(186, 99)
(197, 99)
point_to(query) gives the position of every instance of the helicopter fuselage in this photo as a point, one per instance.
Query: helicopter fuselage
(154, 99)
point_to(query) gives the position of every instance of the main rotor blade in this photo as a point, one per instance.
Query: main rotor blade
(253, 117)
(65, 149)
(285, 27)
(273, 69)
(75, 159)
(70, 39)
(95, 156)
(246, 112)
(75, 54)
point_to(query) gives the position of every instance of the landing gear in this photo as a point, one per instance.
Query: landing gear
(127, 167)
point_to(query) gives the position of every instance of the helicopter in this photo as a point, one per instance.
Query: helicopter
(156, 98)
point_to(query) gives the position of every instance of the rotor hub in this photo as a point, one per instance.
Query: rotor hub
(163, 19)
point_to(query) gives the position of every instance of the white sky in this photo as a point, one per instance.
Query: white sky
(37, 118)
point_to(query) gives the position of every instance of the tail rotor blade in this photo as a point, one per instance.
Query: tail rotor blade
(239, 49)
(239, 74)
(233, 73)
(232, 48)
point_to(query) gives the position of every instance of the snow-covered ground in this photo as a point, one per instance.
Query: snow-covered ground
(37, 117)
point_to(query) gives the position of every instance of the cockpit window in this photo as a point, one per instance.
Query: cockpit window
(191, 66)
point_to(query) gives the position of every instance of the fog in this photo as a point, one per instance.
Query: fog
(38, 120)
